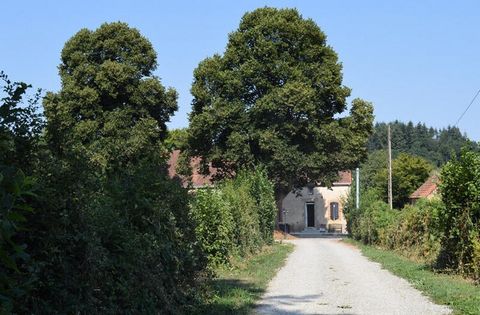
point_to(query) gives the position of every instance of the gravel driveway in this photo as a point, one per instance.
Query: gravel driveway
(327, 276)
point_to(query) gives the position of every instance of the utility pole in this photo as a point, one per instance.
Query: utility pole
(357, 188)
(390, 198)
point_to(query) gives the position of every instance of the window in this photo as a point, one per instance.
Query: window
(334, 210)
(310, 187)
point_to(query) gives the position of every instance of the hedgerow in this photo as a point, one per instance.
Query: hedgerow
(237, 217)
(442, 232)
(460, 188)
(414, 231)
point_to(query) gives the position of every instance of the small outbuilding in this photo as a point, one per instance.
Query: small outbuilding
(428, 190)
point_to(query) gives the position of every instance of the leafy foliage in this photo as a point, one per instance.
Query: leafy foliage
(272, 99)
(177, 139)
(444, 233)
(235, 218)
(460, 189)
(113, 232)
(215, 225)
(16, 192)
(111, 108)
(408, 173)
(20, 126)
(415, 231)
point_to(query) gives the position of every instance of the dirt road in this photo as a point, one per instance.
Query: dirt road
(327, 276)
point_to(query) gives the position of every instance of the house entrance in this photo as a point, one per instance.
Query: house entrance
(310, 209)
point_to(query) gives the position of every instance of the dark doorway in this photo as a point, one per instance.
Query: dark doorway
(310, 215)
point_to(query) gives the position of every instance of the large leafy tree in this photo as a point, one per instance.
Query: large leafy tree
(274, 98)
(111, 107)
(115, 235)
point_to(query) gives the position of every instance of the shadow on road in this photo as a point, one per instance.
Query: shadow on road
(275, 305)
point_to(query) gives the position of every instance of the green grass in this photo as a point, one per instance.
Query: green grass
(462, 296)
(236, 289)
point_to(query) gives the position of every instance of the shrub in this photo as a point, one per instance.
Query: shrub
(127, 245)
(237, 217)
(417, 232)
(246, 233)
(375, 222)
(460, 189)
(15, 191)
(214, 224)
(263, 193)
(20, 127)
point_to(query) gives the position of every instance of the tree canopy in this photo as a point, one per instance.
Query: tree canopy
(108, 212)
(20, 123)
(274, 98)
(408, 173)
(111, 107)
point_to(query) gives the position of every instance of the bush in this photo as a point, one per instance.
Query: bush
(460, 189)
(15, 191)
(374, 223)
(215, 226)
(235, 218)
(127, 245)
(20, 127)
(262, 191)
(415, 231)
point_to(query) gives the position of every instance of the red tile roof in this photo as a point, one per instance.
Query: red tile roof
(427, 188)
(198, 180)
(345, 178)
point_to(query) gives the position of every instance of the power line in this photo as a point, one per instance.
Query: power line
(461, 116)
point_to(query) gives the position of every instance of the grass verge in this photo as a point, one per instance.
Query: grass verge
(236, 288)
(462, 296)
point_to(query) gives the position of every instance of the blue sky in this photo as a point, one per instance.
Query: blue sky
(415, 60)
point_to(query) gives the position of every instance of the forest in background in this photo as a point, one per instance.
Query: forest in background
(433, 144)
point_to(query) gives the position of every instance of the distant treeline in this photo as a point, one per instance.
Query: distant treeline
(435, 145)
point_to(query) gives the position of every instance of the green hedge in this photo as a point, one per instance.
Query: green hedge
(460, 188)
(415, 231)
(237, 217)
(445, 234)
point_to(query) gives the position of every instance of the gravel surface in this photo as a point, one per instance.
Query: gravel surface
(327, 276)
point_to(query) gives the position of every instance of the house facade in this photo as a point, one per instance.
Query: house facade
(312, 208)
(317, 208)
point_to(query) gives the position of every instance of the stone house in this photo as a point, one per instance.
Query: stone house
(317, 209)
